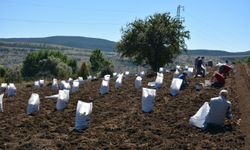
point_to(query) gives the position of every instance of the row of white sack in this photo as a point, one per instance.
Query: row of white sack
(118, 83)
(174, 88)
(9, 89)
(83, 110)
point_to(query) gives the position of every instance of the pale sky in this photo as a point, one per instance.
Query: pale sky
(213, 24)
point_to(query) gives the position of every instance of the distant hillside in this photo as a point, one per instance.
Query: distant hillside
(70, 41)
(217, 53)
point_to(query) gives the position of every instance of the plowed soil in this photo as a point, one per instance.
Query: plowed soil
(117, 121)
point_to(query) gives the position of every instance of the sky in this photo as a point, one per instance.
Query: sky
(213, 24)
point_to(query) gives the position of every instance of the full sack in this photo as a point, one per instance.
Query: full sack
(175, 86)
(148, 99)
(33, 104)
(199, 118)
(83, 112)
(62, 100)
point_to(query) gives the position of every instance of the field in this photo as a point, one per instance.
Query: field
(117, 121)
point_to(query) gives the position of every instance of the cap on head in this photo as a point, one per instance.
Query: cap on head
(223, 93)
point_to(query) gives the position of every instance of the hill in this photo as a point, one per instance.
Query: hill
(69, 41)
(218, 53)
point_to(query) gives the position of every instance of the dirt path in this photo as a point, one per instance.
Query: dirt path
(242, 78)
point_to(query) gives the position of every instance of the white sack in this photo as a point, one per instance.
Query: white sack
(104, 87)
(75, 87)
(61, 85)
(148, 99)
(62, 100)
(176, 73)
(54, 85)
(138, 82)
(118, 82)
(36, 84)
(11, 89)
(70, 80)
(175, 86)
(33, 104)
(161, 69)
(83, 112)
(52, 96)
(41, 83)
(1, 102)
(81, 81)
(142, 74)
(114, 74)
(151, 84)
(107, 77)
(89, 77)
(126, 73)
(199, 118)
(3, 87)
(159, 80)
(66, 86)
(190, 71)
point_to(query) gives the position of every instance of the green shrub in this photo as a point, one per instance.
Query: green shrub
(99, 63)
(84, 70)
(2, 71)
(247, 60)
(13, 75)
(45, 63)
(63, 70)
(109, 69)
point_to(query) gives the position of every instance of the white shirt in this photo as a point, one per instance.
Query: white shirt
(219, 109)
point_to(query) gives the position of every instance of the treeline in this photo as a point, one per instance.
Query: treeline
(55, 64)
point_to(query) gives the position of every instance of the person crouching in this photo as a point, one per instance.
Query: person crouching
(220, 107)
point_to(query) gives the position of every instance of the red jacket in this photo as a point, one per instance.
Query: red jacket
(220, 78)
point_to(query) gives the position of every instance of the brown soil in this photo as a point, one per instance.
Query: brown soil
(117, 121)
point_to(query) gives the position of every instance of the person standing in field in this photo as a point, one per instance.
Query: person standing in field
(200, 68)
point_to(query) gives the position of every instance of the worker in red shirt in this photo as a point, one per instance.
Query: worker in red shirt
(218, 80)
(224, 70)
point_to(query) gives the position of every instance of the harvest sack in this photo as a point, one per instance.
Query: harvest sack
(11, 89)
(83, 112)
(89, 78)
(176, 73)
(148, 99)
(175, 86)
(36, 84)
(75, 86)
(118, 82)
(138, 82)
(62, 84)
(107, 77)
(54, 85)
(33, 104)
(3, 87)
(66, 86)
(114, 74)
(159, 80)
(104, 87)
(1, 102)
(70, 80)
(41, 83)
(62, 100)
(199, 118)
(81, 81)
(126, 73)
(142, 74)
(161, 69)
(52, 96)
(190, 71)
